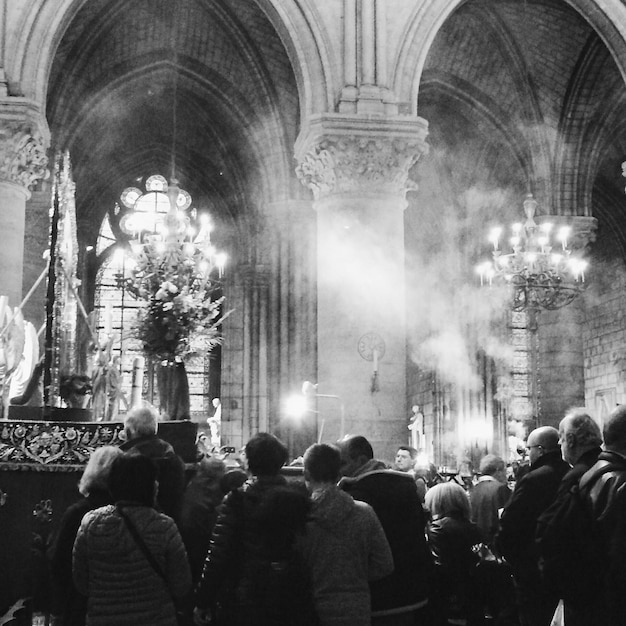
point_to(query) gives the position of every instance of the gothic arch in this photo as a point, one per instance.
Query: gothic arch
(609, 21)
(40, 26)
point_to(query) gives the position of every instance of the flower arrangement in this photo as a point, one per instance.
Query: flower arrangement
(176, 273)
(182, 312)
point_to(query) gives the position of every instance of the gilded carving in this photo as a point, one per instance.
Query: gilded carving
(50, 443)
(23, 155)
(347, 164)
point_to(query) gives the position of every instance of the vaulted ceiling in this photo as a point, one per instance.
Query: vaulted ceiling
(521, 96)
(205, 84)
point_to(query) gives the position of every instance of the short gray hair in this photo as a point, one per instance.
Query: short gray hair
(490, 464)
(97, 470)
(141, 421)
(583, 427)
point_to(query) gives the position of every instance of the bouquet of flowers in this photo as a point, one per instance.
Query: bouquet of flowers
(183, 306)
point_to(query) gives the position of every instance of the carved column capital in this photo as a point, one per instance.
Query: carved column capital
(24, 141)
(346, 154)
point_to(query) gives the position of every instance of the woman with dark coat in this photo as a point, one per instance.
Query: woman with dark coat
(451, 536)
(253, 574)
(203, 495)
(70, 606)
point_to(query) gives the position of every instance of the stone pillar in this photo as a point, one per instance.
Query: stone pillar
(293, 253)
(560, 359)
(23, 160)
(357, 168)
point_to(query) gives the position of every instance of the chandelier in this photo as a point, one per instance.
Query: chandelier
(541, 270)
(171, 265)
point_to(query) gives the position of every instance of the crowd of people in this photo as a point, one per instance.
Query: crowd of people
(355, 543)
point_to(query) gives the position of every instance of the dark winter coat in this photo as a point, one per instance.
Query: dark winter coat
(394, 498)
(201, 500)
(454, 590)
(533, 494)
(112, 571)
(606, 499)
(571, 478)
(68, 603)
(171, 471)
(486, 498)
(252, 574)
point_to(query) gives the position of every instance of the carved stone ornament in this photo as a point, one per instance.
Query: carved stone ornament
(348, 164)
(54, 443)
(23, 155)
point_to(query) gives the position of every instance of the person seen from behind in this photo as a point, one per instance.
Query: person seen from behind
(129, 559)
(70, 606)
(201, 500)
(489, 495)
(140, 428)
(253, 573)
(344, 547)
(401, 598)
(451, 536)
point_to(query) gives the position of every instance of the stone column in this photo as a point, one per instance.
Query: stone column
(357, 168)
(23, 160)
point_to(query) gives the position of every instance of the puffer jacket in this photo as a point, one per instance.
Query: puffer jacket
(345, 548)
(251, 575)
(113, 572)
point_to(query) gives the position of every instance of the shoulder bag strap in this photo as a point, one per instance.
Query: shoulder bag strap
(141, 543)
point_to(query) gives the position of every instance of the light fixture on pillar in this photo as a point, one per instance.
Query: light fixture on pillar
(541, 270)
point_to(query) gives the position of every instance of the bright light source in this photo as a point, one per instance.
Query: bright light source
(296, 406)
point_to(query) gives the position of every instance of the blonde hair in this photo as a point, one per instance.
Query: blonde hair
(447, 499)
(96, 474)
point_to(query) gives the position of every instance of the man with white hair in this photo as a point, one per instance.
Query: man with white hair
(140, 428)
(580, 439)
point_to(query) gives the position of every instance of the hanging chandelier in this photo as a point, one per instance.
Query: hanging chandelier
(541, 270)
(171, 265)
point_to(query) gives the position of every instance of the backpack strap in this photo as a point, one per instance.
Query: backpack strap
(141, 544)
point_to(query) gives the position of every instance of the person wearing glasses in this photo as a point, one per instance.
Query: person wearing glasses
(533, 494)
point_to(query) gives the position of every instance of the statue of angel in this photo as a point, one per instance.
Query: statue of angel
(12, 340)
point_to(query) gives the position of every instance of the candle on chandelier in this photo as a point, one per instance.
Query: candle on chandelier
(494, 236)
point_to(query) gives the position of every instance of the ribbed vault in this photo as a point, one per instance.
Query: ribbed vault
(133, 84)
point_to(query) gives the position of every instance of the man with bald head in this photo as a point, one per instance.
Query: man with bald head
(533, 494)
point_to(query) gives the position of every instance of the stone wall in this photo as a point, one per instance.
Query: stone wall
(604, 340)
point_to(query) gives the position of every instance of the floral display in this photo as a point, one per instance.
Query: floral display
(175, 270)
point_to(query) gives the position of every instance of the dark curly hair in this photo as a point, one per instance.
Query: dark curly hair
(74, 383)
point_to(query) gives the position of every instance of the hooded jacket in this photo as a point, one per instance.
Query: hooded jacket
(394, 498)
(345, 548)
